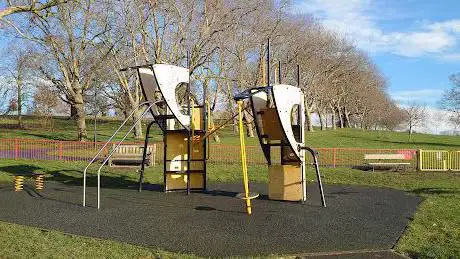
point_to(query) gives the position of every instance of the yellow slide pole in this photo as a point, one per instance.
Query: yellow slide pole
(243, 159)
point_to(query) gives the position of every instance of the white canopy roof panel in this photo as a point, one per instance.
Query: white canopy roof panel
(166, 78)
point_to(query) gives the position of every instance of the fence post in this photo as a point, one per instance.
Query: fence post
(334, 151)
(60, 150)
(16, 149)
(419, 160)
(154, 151)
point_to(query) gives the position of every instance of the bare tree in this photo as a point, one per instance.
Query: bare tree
(451, 99)
(19, 73)
(416, 115)
(33, 6)
(45, 102)
(68, 43)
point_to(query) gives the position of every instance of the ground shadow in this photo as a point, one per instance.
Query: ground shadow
(22, 169)
(230, 194)
(435, 191)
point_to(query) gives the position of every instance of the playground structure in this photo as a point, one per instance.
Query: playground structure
(185, 144)
(279, 119)
(278, 111)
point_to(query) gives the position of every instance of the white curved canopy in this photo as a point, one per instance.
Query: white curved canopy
(166, 78)
(286, 97)
(259, 102)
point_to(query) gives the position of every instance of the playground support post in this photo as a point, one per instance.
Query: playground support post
(243, 158)
(301, 119)
(189, 130)
(144, 155)
(314, 154)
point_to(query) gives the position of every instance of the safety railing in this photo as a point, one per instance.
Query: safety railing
(220, 154)
(107, 157)
(438, 160)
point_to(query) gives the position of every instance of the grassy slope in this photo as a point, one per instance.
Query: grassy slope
(65, 130)
(434, 231)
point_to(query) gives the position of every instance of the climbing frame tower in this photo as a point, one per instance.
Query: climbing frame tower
(184, 125)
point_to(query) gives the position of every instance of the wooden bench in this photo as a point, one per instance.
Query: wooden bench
(130, 155)
(386, 157)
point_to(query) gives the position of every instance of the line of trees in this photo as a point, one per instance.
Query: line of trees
(81, 45)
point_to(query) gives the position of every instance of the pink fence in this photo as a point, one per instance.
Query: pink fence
(220, 154)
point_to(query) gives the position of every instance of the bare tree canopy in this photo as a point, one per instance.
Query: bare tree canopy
(85, 43)
(451, 99)
(416, 115)
(32, 6)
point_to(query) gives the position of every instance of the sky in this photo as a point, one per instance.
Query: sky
(415, 43)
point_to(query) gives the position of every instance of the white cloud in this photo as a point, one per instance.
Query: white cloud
(450, 57)
(359, 21)
(419, 96)
(452, 25)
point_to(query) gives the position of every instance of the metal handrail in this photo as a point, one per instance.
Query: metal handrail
(106, 143)
(113, 151)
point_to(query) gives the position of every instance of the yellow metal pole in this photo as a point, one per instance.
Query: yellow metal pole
(243, 159)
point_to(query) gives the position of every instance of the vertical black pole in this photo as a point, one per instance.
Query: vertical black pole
(298, 76)
(165, 159)
(268, 62)
(205, 129)
(144, 154)
(95, 119)
(279, 72)
(189, 131)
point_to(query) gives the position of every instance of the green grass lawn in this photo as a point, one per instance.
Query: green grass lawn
(434, 232)
(64, 129)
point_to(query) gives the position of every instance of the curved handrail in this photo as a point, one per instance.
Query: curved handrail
(113, 151)
(105, 145)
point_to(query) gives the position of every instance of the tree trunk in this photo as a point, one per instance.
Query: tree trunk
(346, 121)
(136, 115)
(73, 111)
(321, 119)
(81, 122)
(20, 122)
(249, 124)
(308, 119)
(410, 131)
(333, 120)
(230, 107)
(339, 114)
(138, 126)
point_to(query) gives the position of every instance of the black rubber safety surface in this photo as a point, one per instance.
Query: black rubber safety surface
(215, 223)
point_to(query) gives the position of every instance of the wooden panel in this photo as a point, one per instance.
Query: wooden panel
(271, 125)
(288, 156)
(285, 183)
(179, 181)
(132, 149)
(197, 118)
(182, 165)
(177, 147)
(384, 156)
(388, 163)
